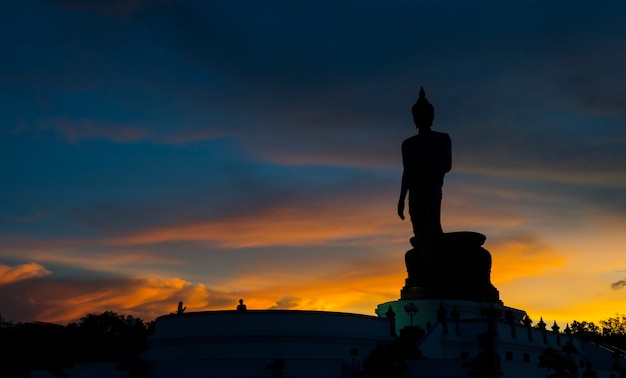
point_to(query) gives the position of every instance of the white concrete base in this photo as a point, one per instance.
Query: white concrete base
(427, 311)
(313, 343)
(242, 344)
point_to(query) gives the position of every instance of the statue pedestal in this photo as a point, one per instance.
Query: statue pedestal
(458, 268)
(427, 312)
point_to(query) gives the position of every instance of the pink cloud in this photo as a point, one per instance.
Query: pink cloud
(73, 131)
(85, 129)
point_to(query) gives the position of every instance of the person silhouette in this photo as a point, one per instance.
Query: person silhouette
(241, 306)
(426, 158)
(352, 366)
(181, 309)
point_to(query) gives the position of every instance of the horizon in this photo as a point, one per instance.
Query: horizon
(154, 152)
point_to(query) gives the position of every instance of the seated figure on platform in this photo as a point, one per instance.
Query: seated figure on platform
(426, 158)
(180, 309)
(241, 306)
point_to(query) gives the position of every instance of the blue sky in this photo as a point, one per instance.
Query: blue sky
(206, 151)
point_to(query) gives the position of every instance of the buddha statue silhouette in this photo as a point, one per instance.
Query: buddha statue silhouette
(440, 265)
(426, 158)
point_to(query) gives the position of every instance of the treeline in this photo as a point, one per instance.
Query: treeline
(610, 331)
(107, 337)
(110, 337)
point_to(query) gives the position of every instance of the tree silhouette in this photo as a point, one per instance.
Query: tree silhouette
(614, 326)
(107, 337)
(614, 330)
(584, 328)
(560, 362)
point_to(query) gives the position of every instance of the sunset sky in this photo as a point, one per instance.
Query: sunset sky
(206, 151)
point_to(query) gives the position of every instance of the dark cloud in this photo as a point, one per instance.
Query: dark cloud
(282, 85)
(618, 284)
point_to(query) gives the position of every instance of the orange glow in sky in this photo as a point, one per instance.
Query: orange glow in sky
(199, 152)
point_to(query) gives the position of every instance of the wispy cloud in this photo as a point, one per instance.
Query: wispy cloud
(73, 131)
(11, 274)
(275, 226)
